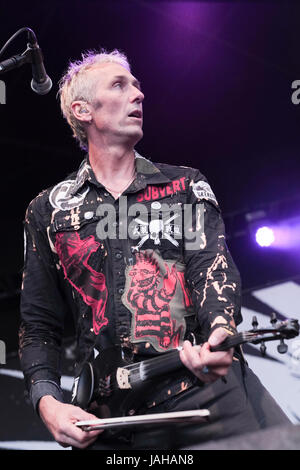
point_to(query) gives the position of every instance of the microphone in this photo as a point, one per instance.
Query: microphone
(40, 82)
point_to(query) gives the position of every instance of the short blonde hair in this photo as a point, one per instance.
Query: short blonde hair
(74, 85)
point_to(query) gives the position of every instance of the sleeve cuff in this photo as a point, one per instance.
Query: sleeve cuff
(42, 388)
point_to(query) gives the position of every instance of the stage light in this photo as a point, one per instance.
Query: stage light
(275, 226)
(265, 236)
(287, 234)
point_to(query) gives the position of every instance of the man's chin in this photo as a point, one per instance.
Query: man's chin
(141, 134)
(129, 138)
(135, 137)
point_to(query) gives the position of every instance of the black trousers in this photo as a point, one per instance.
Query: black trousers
(237, 406)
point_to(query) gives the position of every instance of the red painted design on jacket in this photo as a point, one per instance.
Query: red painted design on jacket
(155, 192)
(74, 255)
(151, 304)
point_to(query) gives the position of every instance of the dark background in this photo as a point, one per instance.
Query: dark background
(217, 78)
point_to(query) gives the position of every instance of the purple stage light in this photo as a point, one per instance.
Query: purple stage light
(265, 236)
(287, 234)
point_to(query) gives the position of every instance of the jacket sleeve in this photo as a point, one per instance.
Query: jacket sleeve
(211, 274)
(42, 311)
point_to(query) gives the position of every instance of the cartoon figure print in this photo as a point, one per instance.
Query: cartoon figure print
(148, 296)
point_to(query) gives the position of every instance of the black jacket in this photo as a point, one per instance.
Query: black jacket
(143, 271)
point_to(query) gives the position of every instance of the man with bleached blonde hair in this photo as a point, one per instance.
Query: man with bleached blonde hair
(145, 292)
(75, 85)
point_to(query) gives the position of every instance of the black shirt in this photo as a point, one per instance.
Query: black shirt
(141, 271)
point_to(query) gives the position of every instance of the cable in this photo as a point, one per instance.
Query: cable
(31, 38)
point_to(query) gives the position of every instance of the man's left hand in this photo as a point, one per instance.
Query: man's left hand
(206, 365)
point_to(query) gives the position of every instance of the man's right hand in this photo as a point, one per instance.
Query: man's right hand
(60, 419)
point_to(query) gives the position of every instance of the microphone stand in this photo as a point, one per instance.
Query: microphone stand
(20, 59)
(40, 82)
(16, 61)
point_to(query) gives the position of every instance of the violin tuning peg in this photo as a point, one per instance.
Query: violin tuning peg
(263, 348)
(282, 347)
(273, 319)
(254, 322)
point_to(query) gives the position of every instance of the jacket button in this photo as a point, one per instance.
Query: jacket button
(121, 291)
(88, 215)
(118, 255)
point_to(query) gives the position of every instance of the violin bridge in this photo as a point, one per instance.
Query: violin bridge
(122, 376)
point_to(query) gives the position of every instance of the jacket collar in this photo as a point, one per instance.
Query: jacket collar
(146, 173)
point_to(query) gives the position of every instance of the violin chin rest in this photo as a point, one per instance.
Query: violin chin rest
(84, 386)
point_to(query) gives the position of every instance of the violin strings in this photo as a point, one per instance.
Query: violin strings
(159, 360)
(154, 360)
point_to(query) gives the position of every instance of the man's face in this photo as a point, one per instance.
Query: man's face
(117, 111)
(145, 276)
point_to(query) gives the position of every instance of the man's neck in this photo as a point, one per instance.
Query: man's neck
(113, 165)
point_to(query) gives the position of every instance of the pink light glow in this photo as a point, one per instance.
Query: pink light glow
(283, 235)
(287, 234)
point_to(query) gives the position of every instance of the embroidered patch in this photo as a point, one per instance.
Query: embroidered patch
(156, 192)
(202, 190)
(156, 230)
(62, 197)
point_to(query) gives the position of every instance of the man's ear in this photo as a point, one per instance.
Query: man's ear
(81, 111)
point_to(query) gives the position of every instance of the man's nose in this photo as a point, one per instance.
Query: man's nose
(137, 95)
